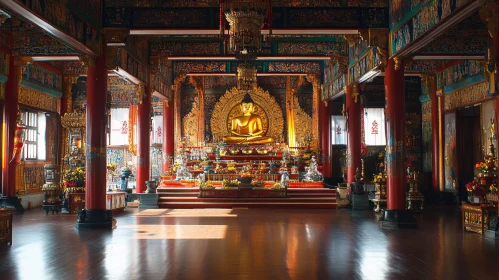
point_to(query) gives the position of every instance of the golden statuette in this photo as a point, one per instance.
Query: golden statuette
(247, 128)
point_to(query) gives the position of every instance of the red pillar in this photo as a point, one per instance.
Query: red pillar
(434, 136)
(325, 121)
(395, 148)
(143, 140)
(496, 44)
(9, 127)
(168, 138)
(353, 137)
(95, 193)
(95, 214)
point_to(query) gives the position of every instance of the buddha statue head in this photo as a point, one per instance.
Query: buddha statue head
(247, 105)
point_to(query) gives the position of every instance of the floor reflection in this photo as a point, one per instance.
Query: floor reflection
(247, 244)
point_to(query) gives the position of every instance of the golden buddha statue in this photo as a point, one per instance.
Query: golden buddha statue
(247, 128)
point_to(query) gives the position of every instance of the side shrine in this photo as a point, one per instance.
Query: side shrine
(385, 106)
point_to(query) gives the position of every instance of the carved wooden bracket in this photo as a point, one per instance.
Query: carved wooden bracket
(22, 60)
(179, 79)
(116, 35)
(3, 17)
(355, 93)
(141, 91)
(489, 12)
(378, 37)
(87, 60)
(111, 53)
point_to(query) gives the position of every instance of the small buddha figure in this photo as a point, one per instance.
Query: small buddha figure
(247, 128)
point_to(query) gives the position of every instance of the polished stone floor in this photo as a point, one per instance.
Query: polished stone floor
(247, 244)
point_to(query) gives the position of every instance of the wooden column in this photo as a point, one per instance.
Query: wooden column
(434, 133)
(144, 137)
(354, 133)
(325, 126)
(10, 113)
(95, 214)
(395, 215)
(168, 137)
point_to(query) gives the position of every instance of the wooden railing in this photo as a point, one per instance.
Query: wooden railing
(30, 177)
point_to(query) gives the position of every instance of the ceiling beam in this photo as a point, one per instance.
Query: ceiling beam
(233, 58)
(46, 26)
(448, 57)
(213, 31)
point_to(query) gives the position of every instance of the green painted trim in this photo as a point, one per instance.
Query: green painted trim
(337, 39)
(424, 98)
(478, 78)
(3, 78)
(40, 88)
(406, 18)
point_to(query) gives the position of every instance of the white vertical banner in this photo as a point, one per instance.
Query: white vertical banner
(338, 130)
(157, 130)
(374, 126)
(119, 126)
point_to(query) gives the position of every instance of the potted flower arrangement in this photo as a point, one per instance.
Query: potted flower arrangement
(475, 192)
(487, 170)
(74, 180)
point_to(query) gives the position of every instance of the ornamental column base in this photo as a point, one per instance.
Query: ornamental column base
(95, 219)
(395, 219)
(493, 231)
(12, 201)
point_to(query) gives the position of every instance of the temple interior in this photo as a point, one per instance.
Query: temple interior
(249, 139)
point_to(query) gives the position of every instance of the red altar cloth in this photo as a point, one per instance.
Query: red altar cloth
(292, 185)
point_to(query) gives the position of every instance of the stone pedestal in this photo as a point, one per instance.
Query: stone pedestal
(360, 202)
(91, 219)
(395, 219)
(148, 201)
(493, 231)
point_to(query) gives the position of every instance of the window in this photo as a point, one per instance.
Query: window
(374, 126)
(338, 130)
(119, 126)
(34, 135)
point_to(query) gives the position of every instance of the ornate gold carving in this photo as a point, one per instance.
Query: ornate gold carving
(87, 60)
(352, 39)
(398, 62)
(39, 100)
(68, 86)
(176, 108)
(141, 91)
(315, 80)
(378, 38)
(303, 122)
(355, 93)
(74, 120)
(198, 83)
(190, 123)
(265, 106)
(116, 35)
(466, 96)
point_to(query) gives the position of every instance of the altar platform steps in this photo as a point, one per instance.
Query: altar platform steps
(186, 198)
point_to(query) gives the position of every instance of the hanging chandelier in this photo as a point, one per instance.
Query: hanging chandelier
(246, 19)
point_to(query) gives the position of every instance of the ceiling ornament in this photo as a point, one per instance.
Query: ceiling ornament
(246, 77)
(245, 18)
